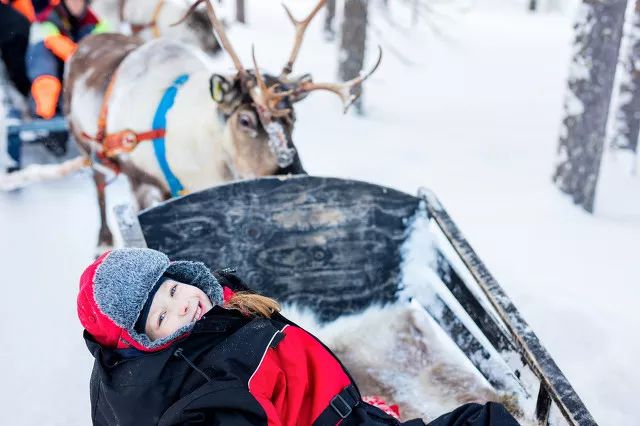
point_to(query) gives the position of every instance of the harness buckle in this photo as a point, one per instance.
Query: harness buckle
(123, 141)
(129, 139)
(344, 413)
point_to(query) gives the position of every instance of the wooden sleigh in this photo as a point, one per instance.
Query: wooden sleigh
(335, 246)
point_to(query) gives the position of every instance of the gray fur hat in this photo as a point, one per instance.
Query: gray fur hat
(115, 288)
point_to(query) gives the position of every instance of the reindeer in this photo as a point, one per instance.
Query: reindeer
(150, 19)
(201, 128)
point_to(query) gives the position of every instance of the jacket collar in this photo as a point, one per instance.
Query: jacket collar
(218, 321)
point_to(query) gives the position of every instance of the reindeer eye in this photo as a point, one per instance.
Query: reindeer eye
(244, 121)
(247, 120)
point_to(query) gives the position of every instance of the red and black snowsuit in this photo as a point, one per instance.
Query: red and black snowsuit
(230, 369)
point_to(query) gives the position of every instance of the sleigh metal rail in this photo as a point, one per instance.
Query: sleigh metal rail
(334, 246)
(553, 384)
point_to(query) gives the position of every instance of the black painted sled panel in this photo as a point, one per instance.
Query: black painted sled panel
(328, 244)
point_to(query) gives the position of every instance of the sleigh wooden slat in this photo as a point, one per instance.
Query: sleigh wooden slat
(553, 381)
(334, 246)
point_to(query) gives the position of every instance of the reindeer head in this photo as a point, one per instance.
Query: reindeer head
(258, 141)
(258, 108)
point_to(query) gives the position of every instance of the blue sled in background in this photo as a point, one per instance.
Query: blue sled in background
(25, 140)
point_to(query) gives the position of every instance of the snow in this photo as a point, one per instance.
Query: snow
(418, 260)
(573, 105)
(473, 114)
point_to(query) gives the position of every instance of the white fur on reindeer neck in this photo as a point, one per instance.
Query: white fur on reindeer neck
(194, 136)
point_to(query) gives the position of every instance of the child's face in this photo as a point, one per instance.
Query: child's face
(175, 305)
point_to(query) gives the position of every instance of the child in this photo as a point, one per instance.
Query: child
(177, 344)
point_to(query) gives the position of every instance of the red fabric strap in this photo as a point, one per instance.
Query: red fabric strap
(127, 140)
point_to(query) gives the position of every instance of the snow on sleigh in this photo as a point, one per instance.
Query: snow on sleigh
(384, 278)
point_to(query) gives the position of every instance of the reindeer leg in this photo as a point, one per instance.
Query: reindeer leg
(105, 237)
(148, 190)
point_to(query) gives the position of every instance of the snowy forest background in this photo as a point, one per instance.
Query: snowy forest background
(527, 135)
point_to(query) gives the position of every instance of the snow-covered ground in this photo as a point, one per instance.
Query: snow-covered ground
(473, 113)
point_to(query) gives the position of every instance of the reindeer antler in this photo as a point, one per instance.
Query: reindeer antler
(301, 27)
(343, 90)
(267, 98)
(217, 25)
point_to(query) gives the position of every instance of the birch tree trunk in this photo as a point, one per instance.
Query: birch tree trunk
(627, 117)
(598, 31)
(352, 45)
(240, 12)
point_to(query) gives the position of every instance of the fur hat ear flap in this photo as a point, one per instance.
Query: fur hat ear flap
(114, 289)
(141, 323)
(123, 281)
(196, 274)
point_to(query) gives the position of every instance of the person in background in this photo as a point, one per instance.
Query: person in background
(16, 17)
(53, 39)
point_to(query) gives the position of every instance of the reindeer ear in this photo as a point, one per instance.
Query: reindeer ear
(219, 88)
(297, 82)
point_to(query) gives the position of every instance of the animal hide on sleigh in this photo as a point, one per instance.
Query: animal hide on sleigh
(396, 352)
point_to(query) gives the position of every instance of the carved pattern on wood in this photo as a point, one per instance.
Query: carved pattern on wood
(328, 244)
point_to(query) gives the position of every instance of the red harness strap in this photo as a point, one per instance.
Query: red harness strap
(120, 142)
(126, 140)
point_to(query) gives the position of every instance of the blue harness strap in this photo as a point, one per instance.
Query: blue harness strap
(160, 122)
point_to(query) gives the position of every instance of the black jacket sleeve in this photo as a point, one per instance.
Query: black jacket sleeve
(490, 414)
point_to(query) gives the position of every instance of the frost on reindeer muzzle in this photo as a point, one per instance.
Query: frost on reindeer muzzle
(278, 144)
